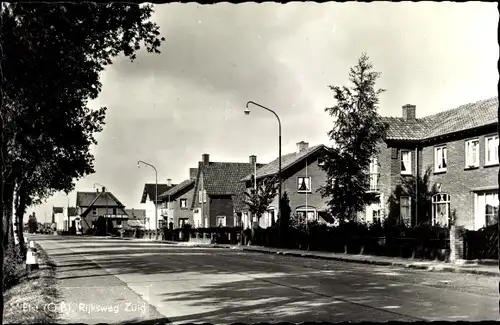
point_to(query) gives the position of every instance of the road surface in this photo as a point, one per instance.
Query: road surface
(140, 280)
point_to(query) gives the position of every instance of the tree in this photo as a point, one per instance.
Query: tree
(50, 71)
(357, 132)
(425, 190)
(258, 201)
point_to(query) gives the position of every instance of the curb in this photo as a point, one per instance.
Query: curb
(433, 268)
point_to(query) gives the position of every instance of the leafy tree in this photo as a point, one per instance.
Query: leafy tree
(258, 201)
(425, 190)
(357, 132)
(50, 71)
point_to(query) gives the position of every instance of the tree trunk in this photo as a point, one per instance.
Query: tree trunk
(255, 225)
(20, 211)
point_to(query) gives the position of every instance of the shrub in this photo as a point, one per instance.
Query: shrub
(13, 268)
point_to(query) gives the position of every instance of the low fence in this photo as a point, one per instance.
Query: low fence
(481, 244)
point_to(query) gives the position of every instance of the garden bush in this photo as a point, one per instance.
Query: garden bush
(13, 268)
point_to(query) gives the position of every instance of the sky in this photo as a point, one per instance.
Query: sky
(171, 108)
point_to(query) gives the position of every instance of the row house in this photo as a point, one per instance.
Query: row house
(92, 205)
(177, 202)
(153, 220)
(218, 191)
(302, 177)
(460, 146)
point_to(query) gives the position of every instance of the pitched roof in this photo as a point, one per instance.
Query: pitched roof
(287, 161)
(465, 117)
(136, 213)
(176, 189)
(87, 199)
(150, 190)
(223, 178)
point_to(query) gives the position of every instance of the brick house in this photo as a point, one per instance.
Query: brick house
(177, 201)
(217, 191)
(92, 205)
(460, 145)
(302, 177)
(148, 203)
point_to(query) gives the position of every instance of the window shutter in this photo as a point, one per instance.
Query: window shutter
(394, 153)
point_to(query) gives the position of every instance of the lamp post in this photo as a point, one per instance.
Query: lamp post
(139, 162)
(247, 112)
(105, 221)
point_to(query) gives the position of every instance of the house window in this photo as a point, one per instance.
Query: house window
(405, 205)
(374, 176)
(491, 150)
(118, 222)
(405, 162)
(304, 184)
(183, 203)
(472, 153)
(221, 221)
(204, 196)
(440, 159)
(114, 211)
(182, 222)
(321, 162)
(310, 213)
(245, 220)
(374, 210)
(236, 221)
(486, 209)
(440, 209)
(94, 211)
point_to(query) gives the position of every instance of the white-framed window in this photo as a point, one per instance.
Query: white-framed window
(405, 162)
(236, 221)
(405, 210)
(303, 184)
(204, 196)
(374, 176)
(321, 162)
(440, 159)
(221, 221)
(183, 203)
(94, 211)
(472, 153)
(485, 209)
(491, 150)
(373, 211)
(245, 220)
(207, 225)
(440, 209)
(310, 213)
(182, 222)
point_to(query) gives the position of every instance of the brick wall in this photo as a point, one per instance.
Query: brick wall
(459, 181)
(289, 184)
(179, 212)
(221, 206)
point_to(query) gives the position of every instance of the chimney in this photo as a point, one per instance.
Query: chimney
(205, 158)
(97, 190)
(103, 189)
(302, 145)
(253, 159)
(169, 182)
(192, 173)
(409, 112)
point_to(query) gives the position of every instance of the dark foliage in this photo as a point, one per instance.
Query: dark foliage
(356, 134)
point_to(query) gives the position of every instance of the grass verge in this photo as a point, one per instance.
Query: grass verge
(34, 298)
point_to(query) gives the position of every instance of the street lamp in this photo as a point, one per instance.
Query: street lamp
(247, 112)
(139, 162)
(105, 221)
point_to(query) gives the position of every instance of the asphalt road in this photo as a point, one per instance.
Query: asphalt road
(144, 281)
